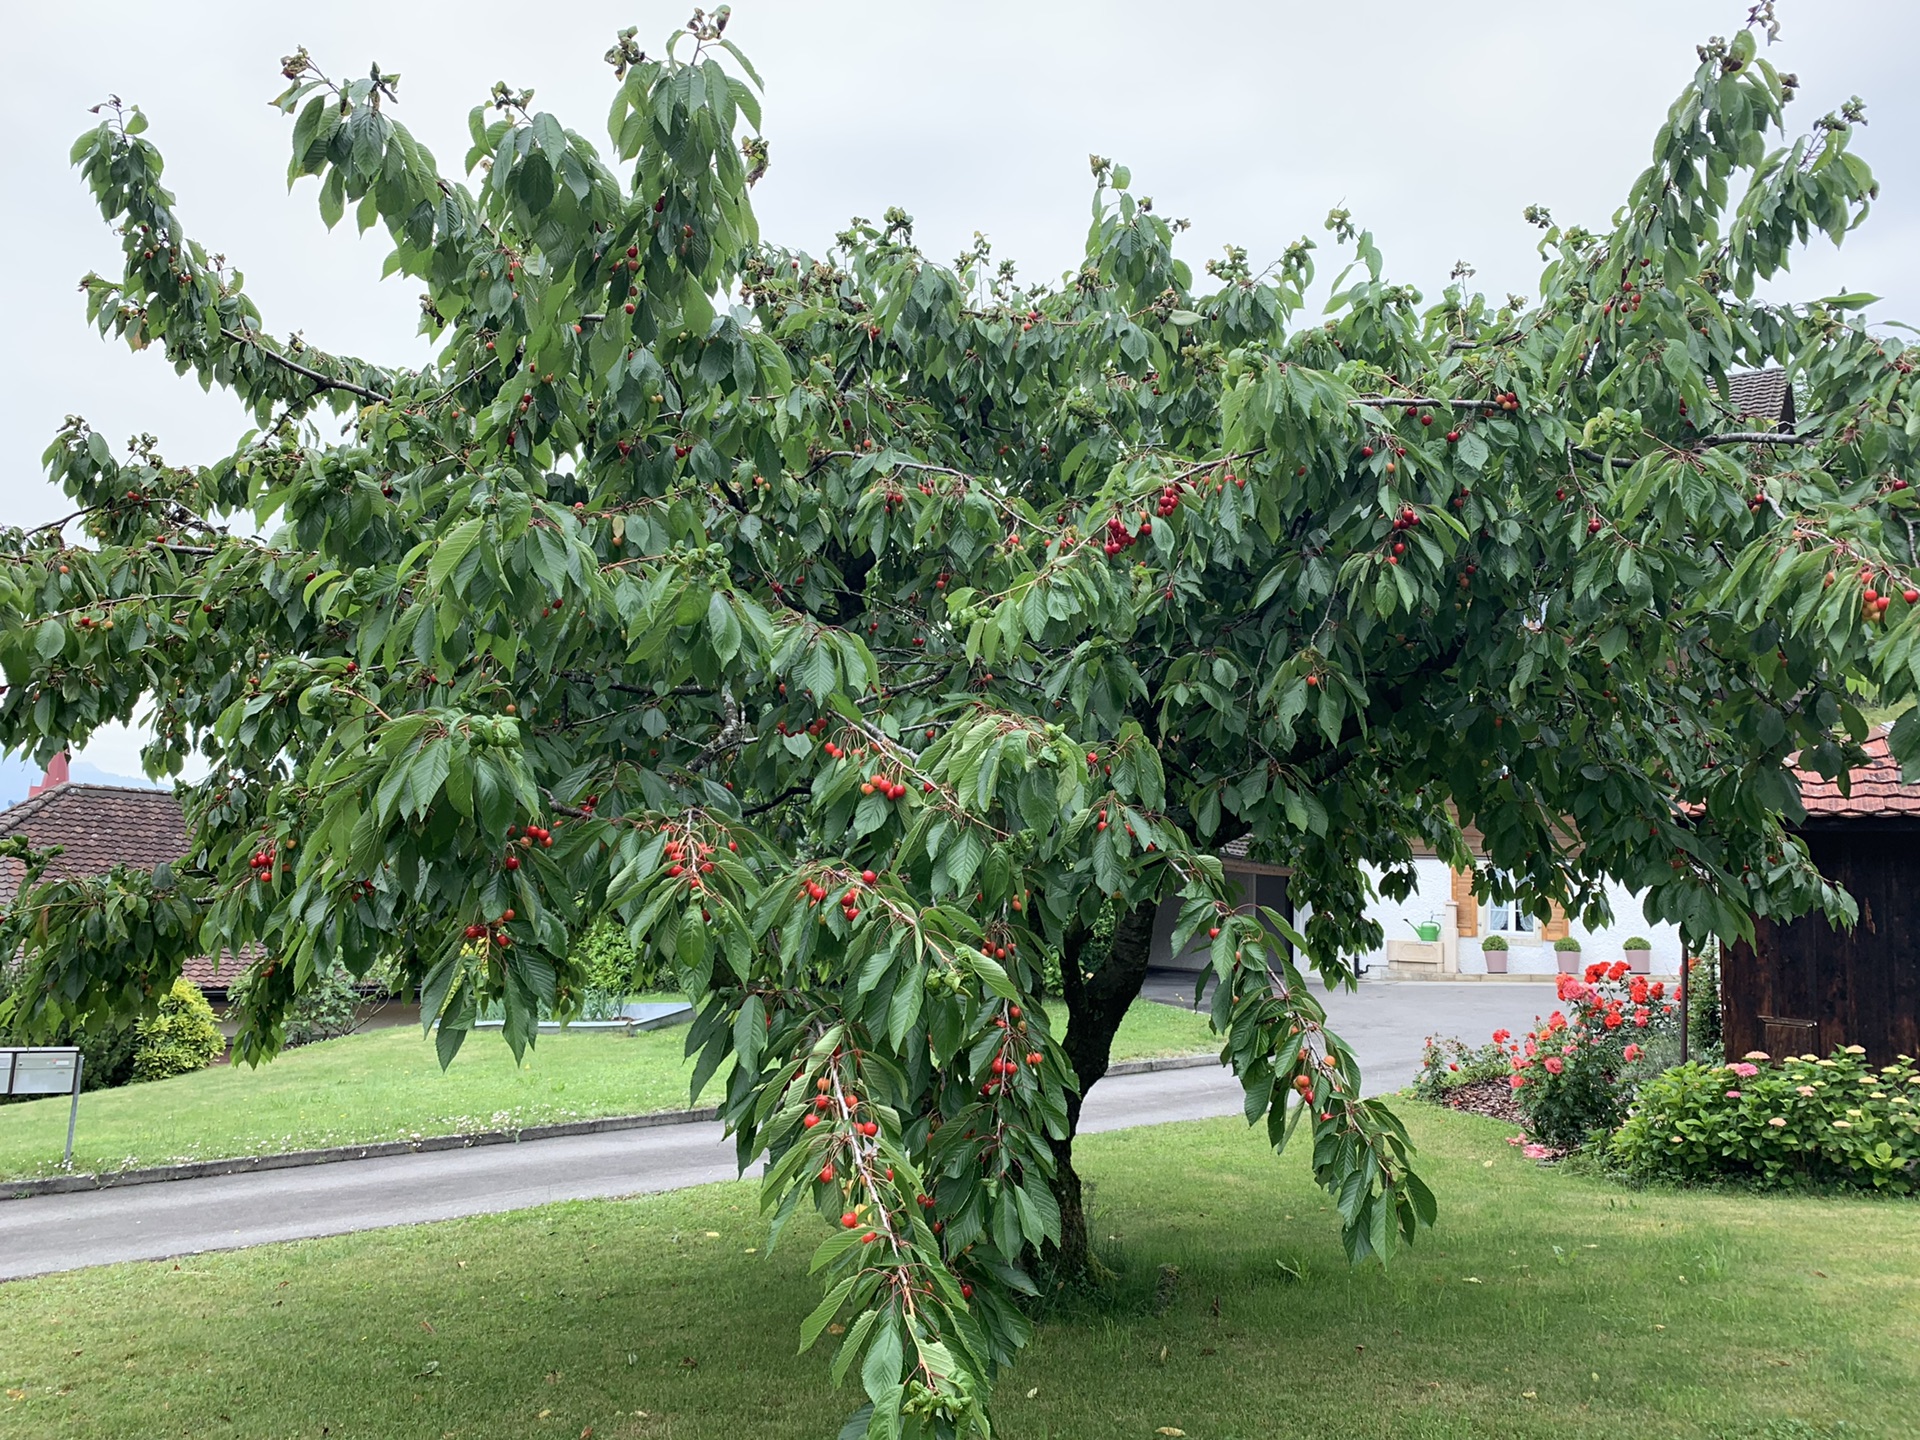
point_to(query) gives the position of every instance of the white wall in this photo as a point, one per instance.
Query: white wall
(1525, 956)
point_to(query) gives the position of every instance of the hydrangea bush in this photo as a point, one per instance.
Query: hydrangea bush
(1801, 1120)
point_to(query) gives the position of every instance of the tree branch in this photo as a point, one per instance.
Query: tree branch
(1751, 437)
(323, 381)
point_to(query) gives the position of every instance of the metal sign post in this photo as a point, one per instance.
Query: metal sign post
(46, 1070)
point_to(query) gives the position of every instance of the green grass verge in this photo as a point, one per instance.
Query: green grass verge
(388, 1085)
(1546, 1304)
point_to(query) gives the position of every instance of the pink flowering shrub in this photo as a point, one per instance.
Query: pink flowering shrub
(1802, 1120)
(1578, 1070)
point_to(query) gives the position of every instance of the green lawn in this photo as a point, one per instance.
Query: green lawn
(388, 1085)
(1545, 1305)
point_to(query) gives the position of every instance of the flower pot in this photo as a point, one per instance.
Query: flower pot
(1639, 962)
(1496, 961)
(1569, 961)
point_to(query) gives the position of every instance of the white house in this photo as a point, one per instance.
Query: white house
(1444, 898)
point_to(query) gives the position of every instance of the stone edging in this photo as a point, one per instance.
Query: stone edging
(294, 1159)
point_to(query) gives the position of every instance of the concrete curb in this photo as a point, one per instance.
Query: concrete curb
(1172, 1062)
(295, 1159)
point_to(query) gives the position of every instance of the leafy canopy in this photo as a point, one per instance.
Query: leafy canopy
(857, 629)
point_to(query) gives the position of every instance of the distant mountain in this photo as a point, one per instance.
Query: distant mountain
(94, 775)
(17, 776)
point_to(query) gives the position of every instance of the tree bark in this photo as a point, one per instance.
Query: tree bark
(1096, 1004)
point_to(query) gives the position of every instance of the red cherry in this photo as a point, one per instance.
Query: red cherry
(809, 1120)
(513, 862)
(868, 877)
(850, 1220)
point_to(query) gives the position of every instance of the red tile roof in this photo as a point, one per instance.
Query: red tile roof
(1877, 789)
(98, 827)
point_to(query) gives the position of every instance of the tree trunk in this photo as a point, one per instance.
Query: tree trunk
(1095, 1006)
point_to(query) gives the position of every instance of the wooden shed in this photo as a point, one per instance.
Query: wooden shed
(1805, 987)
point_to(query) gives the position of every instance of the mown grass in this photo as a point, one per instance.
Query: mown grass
(388, 1085)
(1546, 1304)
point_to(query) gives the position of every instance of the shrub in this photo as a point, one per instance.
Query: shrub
(1578, 1070)
(1837, 1121)
(1448, 1063)
(330, 1009)
(1494, 942)
(1703, 1007)
(1636, 942)
(611, 964)
(1566, 942)
(183, 1036)
(106, 1055)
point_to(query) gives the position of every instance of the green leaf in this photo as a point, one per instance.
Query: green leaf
(723, 627)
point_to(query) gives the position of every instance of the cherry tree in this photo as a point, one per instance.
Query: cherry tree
(870, 634)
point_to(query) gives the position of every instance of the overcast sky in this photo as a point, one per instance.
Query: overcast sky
(1435, 123)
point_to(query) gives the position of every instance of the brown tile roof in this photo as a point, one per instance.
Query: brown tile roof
(1877, 789)
(1761, 394)
(98, 827)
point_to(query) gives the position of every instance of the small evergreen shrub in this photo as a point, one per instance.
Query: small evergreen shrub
(1837, 1121)
(1567, 942)
(1636, 942)
(1494, 942)
(182, 1037)
(1703, 1008)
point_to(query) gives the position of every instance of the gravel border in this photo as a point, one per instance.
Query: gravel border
(379, 1150)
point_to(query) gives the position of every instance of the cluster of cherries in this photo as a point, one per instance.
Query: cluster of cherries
(1874, 604)
(1119, 537)
(885, 785)
(1004, 1066)
(814, 727)
(1629, 298)
(1169, 500)
(262, 863)
(494, 931)
(849, 901)
(1405, 520)
(680, 860)
(535, 835)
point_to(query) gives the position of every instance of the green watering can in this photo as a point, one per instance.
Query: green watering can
(1427, 930)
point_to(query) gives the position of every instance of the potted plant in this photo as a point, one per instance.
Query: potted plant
(1494, 948)
(1566, 950)
(1639, 954)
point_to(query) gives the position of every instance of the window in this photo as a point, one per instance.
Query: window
(1506, 917)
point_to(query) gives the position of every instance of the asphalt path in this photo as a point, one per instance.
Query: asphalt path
(1384, 1021)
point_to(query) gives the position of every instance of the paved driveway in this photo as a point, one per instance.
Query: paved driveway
(1384, 1020)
